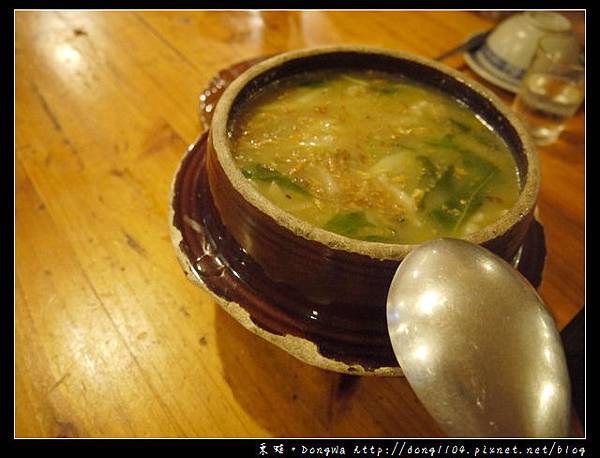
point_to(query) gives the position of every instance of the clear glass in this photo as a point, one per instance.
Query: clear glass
(553, 88)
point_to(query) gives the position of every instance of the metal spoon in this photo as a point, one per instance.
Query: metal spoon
(473, 43)
(477, 344)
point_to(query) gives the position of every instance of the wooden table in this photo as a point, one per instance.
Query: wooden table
(111, 339)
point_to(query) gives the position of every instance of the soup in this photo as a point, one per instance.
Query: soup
(373, 156)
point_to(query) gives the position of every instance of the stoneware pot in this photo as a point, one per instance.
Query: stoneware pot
(318, 295)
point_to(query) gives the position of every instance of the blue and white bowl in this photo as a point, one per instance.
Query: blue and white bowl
(505, 56)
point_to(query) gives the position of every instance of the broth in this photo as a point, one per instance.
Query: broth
(373, 156)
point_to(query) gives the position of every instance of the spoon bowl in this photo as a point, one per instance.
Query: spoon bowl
(477, 344)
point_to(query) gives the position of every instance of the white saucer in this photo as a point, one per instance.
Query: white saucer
(505, 82)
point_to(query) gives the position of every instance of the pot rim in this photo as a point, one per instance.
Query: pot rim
(219, 139)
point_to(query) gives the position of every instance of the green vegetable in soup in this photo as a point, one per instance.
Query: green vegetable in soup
(463, 203)
(445, 142)
(465, 193)
(348, 224)
(384, 88)
(460, 126)
(430, 174)
(260, 172)
(356, 225)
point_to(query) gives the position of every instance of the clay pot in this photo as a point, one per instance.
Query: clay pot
(322, 286)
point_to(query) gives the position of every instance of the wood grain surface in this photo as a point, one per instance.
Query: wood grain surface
(111, 340)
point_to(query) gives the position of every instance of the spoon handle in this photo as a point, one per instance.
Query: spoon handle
(471, 44)
(573, 338)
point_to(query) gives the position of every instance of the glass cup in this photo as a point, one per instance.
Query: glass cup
(552, 89)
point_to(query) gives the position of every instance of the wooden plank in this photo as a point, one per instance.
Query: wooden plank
(81, 377)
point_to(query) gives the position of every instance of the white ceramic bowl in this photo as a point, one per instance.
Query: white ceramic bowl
(509, 49)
